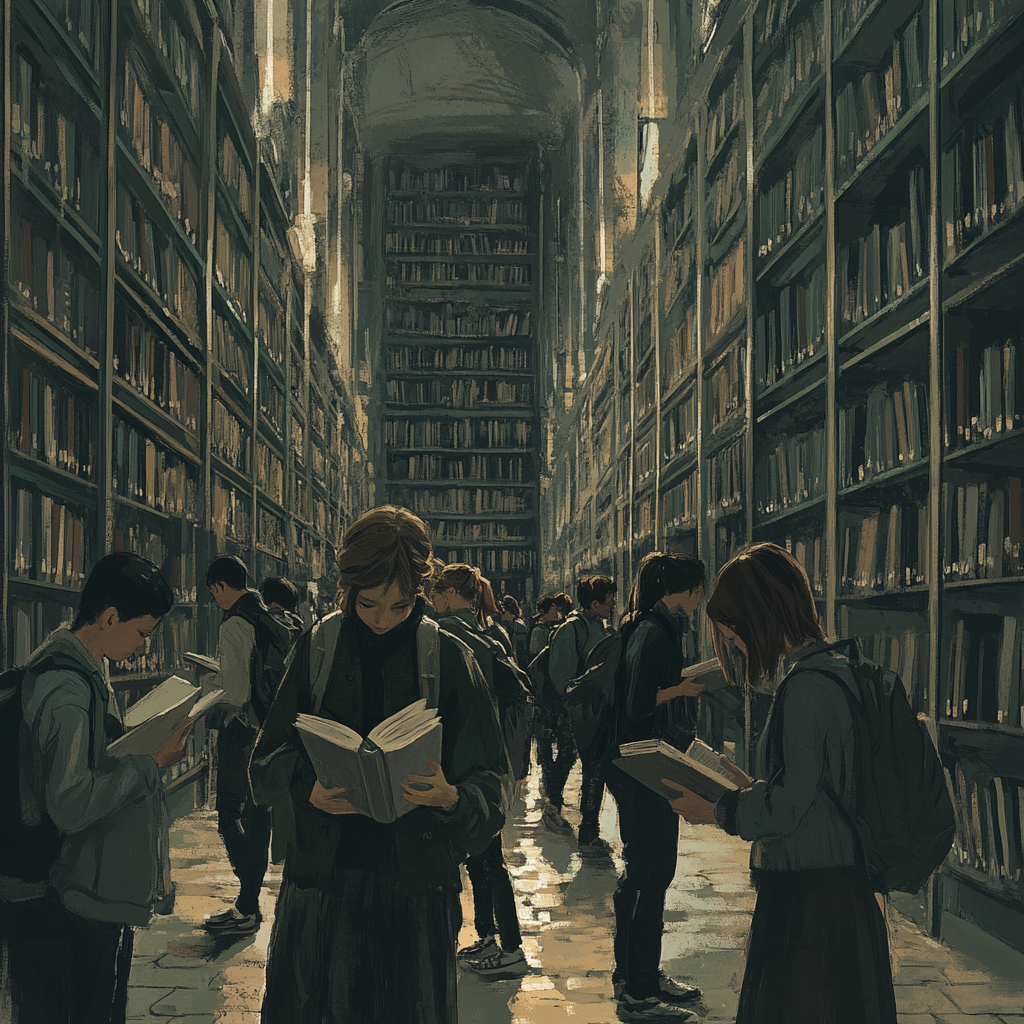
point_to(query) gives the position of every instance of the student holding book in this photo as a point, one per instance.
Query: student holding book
(103, 861)
(368, 917)
(652, 700)
(818, 947)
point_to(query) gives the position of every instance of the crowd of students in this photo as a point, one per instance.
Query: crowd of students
(366, 923)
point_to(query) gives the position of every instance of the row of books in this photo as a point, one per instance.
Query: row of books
(158, 150)
(455, 433)
(233, 357)
(989, 836)
(155, 258)
(869, 108)
(319, 460)
(231, 512)
(56, 143)
(80, 19)
(49, 279)
(643, 519)
(983, 170)
(983, 681)
(679, 275)
(490, 560)
(482, 243)
(884, 550)
(145, 472)
(476, 467)
(680, 504)
(270, 531)
(881, 267)
(965, 23)
(459, 393)
(233, 269)
(808, 550)
(681, 349)
(727, 290)
(463, 501)
(792, 472)
(167, 646)
(773, 18)
(723, 113)
(235, 175)
(887, 430)
(989, 394)
(270, 329)
(727, 386)
(679, 429)
(297, 438)
(845, 20)
(726, 481)
(790, 73)
(51, 541)
(452, 273)
(144, 360)
(792, 330)
(229, 438)
(272, 261)
(895, 639)
(271, 400)
(32, 621)
(467, 178)
(795, 198)
(179, 48)
(489, 357)
(301, 502)
(466, 212)
(645, 459)
(298, 377)
(727, 193)
(646, 391)
(678, 206)
(460, 320)
(52, 423)
(177, 560)
(443, 531)
(982, 528)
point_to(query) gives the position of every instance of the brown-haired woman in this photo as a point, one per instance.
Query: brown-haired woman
(818, 947)
(368, 916)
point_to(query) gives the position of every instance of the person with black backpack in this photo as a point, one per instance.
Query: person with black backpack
(461, 600)
(652, 700)
(252, 647)
(83, 836)
(818, 947)
(281, 597)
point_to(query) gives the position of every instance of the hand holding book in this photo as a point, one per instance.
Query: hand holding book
(695, 809)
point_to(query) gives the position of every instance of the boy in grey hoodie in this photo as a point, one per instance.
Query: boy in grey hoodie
(70, 936)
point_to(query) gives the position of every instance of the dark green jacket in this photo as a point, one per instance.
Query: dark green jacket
(424, 848)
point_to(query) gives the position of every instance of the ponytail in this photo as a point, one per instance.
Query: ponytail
(486, 607)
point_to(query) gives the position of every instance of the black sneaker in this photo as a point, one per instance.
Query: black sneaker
(673, 991)
(596, 849)
(650, 1009)
(483, 947)
(502, 964)
(230, 922)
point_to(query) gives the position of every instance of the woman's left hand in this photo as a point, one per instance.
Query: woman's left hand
(695, 809)
(439, 792)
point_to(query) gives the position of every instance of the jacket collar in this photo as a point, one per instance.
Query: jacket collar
(791, 660)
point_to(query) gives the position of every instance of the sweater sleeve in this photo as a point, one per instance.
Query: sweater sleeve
(236, 642)
(564, 655)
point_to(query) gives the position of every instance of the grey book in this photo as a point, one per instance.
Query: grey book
(708, 673)
(150, 721)
(698, 769)
(373, 768)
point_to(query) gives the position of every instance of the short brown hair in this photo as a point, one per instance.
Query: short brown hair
(594, 588)
(383, 546)
(764, 596)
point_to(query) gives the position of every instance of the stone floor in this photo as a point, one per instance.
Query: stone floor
(182, 975)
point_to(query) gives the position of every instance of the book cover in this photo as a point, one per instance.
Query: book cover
(150, 721)
(699, 768)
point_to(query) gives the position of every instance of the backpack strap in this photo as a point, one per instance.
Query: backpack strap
(323, 642)
(428, 658)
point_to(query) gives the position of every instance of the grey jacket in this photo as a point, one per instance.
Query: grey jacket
(113, 862)
(574, 639)
(805, 750)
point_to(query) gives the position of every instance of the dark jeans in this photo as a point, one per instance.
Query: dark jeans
(493, 899)
(244, 827)
(591, 794)
(65, 969)
(555, 730)
(649, 830)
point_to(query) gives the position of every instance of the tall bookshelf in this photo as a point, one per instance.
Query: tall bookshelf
(839, 271)
(460, 247)
(151, 300)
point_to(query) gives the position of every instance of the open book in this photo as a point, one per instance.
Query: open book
(708, 673)
(150, 721)
(210, 664)
(373, 769)
(699, 769)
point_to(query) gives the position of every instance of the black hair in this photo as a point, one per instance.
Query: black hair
(545, 603)
(278, 590)
(229, 570)
(511, 605)
(594, 588)
(659, 575)
(130, 584)
(564, 603)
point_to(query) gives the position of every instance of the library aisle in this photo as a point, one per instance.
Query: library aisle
(183, 976)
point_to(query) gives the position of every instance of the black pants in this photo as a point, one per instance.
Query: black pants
(494, 904)
(591, 794)
(244, 827)
(363, 954)
(649, 830)
(555, 730)
(65, 969)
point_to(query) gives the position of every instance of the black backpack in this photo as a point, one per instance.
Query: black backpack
(904, 814)
(539, 671)
(588, 697)
(27, 851)
(275, 637)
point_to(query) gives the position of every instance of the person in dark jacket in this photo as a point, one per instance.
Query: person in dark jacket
(368, 917)
(818, 946)
(656, 701)
(515, 625)
(281, 597)
(69, 936)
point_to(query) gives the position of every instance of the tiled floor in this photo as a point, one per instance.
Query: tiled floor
(183, 975)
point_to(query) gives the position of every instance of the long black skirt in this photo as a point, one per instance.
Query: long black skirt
(818, 952)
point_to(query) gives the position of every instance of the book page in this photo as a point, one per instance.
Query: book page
(703, 754)
(333, 732)
(411, 759)
(210, 664)
(159, 700)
